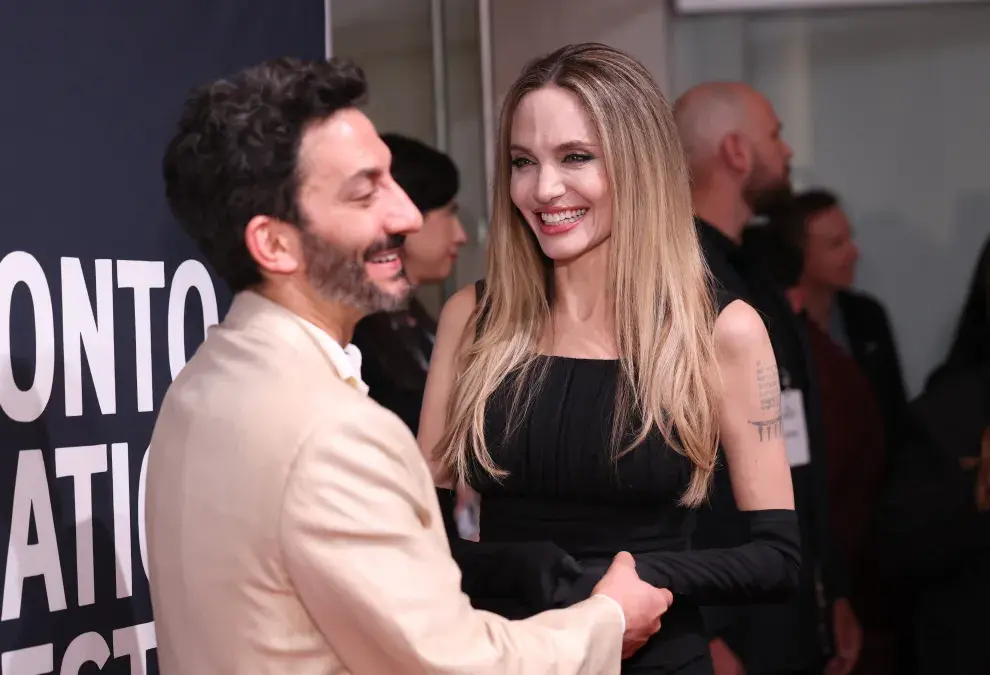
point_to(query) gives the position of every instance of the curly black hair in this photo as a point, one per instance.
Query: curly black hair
(234, 155)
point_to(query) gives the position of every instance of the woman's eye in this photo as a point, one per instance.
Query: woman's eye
(520, 162)
(578, 158)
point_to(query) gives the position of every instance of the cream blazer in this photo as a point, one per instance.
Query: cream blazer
(293, 528)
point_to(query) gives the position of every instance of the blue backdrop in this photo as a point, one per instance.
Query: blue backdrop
(102, 299)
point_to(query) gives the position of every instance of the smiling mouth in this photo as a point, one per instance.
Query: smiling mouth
(384, 258)
(385, 264)
(558, 218)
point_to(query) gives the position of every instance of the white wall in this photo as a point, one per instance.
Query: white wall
(525, 29)
(394, 48)
(891, 109)
(466, 137)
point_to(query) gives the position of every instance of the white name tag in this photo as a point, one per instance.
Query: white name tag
(795, 427)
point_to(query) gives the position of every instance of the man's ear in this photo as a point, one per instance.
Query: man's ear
(274, 244)
(737, 153)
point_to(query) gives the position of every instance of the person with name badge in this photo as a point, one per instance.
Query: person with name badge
(859, 483)
(740, 165)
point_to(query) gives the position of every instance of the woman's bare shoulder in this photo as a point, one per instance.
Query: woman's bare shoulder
(456, 311)
(739, 330)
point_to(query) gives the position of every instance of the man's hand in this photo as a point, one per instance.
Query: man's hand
(642, 604)
(848, 639)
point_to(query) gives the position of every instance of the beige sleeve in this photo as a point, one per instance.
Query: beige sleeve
(363, 543)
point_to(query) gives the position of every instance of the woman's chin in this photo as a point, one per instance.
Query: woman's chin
(566, 249)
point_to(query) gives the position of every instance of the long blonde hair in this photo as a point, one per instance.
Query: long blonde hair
(663, 301)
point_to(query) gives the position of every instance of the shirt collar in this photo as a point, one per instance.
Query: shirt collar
(715, 236)
(345, 360)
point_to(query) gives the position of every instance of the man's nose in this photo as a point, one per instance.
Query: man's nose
(403, 216)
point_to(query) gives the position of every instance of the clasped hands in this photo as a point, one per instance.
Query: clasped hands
(521, 579)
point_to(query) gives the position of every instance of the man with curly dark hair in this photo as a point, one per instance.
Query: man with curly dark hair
(235, 170)
(292, 522)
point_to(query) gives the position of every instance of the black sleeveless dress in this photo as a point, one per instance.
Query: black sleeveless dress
(564, 487)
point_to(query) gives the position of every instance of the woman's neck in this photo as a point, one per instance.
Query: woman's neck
(579, 286)
(582, 311)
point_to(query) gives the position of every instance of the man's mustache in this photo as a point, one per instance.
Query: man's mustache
(392, 241)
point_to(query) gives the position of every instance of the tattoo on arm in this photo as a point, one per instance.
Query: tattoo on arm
(768, 429)
(768, 388)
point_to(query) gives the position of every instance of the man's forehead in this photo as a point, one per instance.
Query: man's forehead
(762, 110)
(342, 145)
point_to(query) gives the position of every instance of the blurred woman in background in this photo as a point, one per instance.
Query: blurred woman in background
(396, 347)
(971, 345)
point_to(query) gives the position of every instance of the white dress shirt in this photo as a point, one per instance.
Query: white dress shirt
(346, 360)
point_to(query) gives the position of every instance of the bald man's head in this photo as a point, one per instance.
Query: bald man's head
(706, 114)
(730, 128)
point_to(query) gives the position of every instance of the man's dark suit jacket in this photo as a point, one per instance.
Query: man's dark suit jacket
(872, 342)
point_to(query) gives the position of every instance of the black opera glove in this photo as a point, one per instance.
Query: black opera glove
(513, 579)
(766, 569)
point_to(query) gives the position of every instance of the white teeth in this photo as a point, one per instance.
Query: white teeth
(563, 216)
(391, 257)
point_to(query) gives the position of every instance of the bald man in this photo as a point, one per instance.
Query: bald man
(740, 166)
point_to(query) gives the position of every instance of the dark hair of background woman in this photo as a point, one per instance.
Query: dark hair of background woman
(971, 345)
(427, 175)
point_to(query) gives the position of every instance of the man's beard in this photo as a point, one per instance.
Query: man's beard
(764, 193)
(342, 278)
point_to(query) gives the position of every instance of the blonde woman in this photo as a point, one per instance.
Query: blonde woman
(583, 388)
